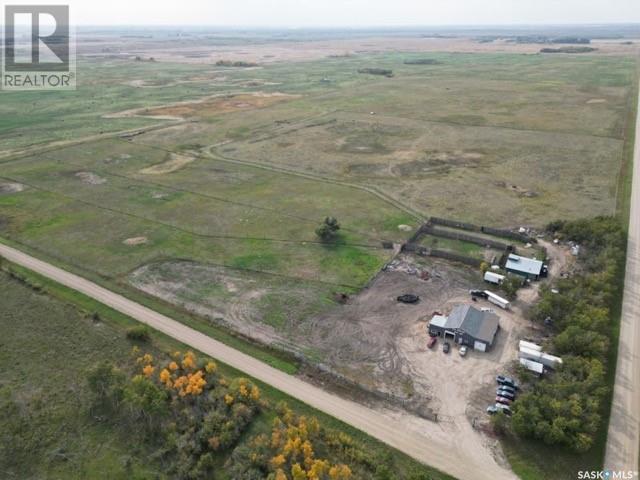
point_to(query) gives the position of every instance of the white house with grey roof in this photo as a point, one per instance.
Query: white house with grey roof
(467, 325)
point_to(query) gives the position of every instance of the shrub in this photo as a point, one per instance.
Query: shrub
(139, 333)
(328, 230)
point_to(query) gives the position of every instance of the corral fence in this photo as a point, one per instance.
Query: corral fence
(483, 242)
(497, 232)
(432, 252)
(462, 231)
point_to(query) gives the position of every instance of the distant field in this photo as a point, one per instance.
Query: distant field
(492, 139)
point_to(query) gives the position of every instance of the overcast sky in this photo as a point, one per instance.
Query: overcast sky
(343, 13)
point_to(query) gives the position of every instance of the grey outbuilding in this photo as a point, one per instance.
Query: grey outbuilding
(467, 325)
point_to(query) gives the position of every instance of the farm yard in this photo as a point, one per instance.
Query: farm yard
(201, 186)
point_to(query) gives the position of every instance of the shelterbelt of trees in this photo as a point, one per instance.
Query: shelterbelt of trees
(568, 407)
(201, 424)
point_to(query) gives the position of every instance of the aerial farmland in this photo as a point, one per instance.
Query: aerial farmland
(195, 176)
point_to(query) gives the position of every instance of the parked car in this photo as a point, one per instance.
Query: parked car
(503, 400)
(408, 298)
(432, 341)
(492, 410)
(507, 388)
(507, 381)
(446, 347)
(506, 394)
(463, 351)
(505, 409)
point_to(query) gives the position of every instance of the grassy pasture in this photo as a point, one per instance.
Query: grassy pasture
(493, 139)
(208, 211)
(496, 139)
(47, 347)
(104, 87)
(81, 205)
(460, 247)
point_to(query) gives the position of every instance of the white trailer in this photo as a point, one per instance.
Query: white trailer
(550, 361)
(495, 278)
(498, 300)
(535, 367)
(547, 360)
(529, 345)
(529, 354)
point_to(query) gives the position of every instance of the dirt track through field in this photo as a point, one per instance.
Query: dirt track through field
(454, 456)
(623, 440)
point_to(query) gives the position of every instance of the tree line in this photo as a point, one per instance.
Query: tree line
(568, 406)
(198, 421)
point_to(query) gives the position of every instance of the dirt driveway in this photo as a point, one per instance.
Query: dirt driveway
(453, 379)
(363, 340)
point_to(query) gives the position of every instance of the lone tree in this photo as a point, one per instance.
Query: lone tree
(329, 229)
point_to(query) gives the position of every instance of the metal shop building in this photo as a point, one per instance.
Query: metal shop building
(467, 325)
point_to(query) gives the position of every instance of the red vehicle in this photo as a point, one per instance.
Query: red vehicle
(432, 341)
(503, 401)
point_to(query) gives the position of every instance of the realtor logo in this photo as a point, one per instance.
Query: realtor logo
(39, 51)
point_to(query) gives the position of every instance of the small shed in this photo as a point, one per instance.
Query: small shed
(529, 268)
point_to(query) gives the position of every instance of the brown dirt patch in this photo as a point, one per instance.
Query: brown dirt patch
(519, 190)
(9, 188)
(363, 338)
(91, 178)
(435, 162)
(136, 241)
(218, 105)
(173, 164)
